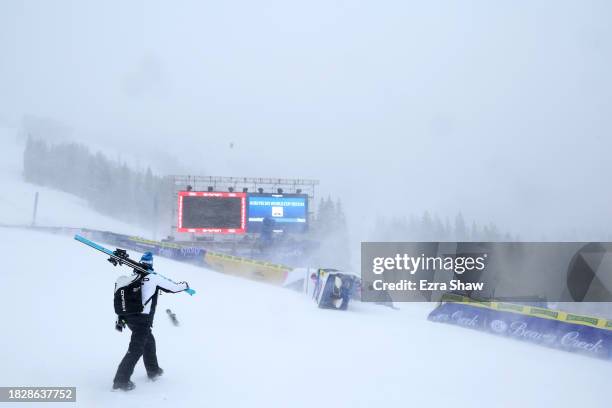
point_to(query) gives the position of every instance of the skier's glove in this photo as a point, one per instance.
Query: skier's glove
(120, 325)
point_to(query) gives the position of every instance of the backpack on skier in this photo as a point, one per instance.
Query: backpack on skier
(128, 295)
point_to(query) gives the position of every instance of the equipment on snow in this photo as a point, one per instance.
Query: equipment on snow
(172, 316)
(332, 289)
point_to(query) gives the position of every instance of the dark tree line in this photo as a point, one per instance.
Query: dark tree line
(330, 228)
(433, 228)
(110, 187)
(140, 197)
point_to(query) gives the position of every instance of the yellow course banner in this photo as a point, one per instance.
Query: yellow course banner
(247, 268)
(232, 265)
(531, 311)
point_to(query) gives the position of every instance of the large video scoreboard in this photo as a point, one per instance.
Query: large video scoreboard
(237, 213)
(219, 212)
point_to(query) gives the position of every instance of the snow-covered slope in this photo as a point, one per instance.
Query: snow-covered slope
(245, 344)
(242, 343)
(55, 208)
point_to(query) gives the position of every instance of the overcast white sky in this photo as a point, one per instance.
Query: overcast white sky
(501, 109)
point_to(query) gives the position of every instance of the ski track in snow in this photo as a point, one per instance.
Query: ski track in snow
(247, 344)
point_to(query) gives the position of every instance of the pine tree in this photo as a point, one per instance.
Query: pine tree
(426, 229)
(460, 228)
(448, 231)
(438, 229)
(29, 161)
(111, 188)
(475, 234)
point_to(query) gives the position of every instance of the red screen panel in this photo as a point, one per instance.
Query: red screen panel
(211, 212)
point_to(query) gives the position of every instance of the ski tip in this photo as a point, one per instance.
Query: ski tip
(190, 291)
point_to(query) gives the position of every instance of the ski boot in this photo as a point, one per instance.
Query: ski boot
(155, 374)
(124, 386)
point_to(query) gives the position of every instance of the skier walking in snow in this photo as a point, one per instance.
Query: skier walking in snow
(135, 303)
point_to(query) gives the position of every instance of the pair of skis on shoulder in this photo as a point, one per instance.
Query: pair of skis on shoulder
(121, 257)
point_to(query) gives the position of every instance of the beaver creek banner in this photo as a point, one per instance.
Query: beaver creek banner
(547, 293)
(566, 331)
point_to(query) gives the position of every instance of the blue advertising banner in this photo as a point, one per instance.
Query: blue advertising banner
(165, 249)
(280, 212)
(580, 337)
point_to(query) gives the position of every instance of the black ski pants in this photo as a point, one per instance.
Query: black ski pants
(142, 343)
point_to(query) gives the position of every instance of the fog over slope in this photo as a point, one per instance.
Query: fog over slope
(500, 111)
(497, 110)
(55, 208)
(243, 343)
